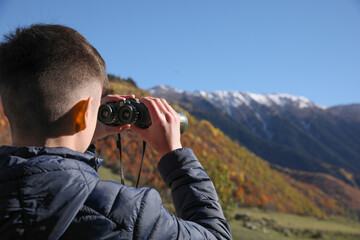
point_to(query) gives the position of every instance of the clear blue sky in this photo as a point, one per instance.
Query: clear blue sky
(309, 48)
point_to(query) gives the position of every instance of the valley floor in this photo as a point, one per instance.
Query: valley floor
(252, 223)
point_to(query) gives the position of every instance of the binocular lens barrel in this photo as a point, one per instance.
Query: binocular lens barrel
(131, 111)
(106, 114)
(126, 114)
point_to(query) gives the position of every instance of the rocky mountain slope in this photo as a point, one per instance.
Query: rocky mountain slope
(240, 177)
(286, 130)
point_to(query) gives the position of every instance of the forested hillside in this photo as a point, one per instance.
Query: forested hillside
(240, 177)
(290, 131)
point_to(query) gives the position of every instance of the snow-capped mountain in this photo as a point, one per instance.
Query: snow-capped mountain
(284, 129)
(232, 99)
(236, 99)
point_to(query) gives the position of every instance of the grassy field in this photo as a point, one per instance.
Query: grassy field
(263, 225)
(260, 225)
(107, 174)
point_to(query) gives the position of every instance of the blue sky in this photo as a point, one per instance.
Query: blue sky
(308, 48)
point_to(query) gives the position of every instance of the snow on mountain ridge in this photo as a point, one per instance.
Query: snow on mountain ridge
(246, 98)
(282, 99)
(234, 99)
(164, 88)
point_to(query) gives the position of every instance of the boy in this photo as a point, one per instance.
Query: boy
(51, 81)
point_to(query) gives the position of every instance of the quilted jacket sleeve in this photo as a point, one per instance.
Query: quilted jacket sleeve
(199, 213)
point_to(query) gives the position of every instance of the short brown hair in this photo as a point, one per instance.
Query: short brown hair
(41, 69)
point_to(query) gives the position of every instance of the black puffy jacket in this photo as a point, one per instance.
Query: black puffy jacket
(55, 193)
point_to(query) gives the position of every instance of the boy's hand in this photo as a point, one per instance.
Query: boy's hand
(103, 130)
(164, 133)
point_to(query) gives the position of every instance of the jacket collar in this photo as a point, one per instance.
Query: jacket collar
(88, 156)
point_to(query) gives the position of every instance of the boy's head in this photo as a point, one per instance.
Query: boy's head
(45, 70)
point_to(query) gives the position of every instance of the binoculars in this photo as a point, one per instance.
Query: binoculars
(131, 111)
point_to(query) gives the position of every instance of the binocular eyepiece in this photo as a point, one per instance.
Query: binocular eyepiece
(131, 111)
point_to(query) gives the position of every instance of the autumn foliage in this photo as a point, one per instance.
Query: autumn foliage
(240, 177)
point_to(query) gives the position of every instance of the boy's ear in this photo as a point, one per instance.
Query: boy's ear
(80, 114)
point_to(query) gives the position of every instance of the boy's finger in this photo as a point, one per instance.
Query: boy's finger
(128, 96)
(123, 128)
(111, 98)
(169, 108)
(166, 109)
(117, 129)
(115, 98)
(153, 107)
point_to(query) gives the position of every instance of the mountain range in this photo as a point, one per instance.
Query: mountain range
(286, 130)
(240, 177)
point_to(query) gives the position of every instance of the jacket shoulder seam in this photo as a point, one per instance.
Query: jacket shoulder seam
(113, 204)
(140, 210)
(153, 230)
(100, 214)
(82, 174)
